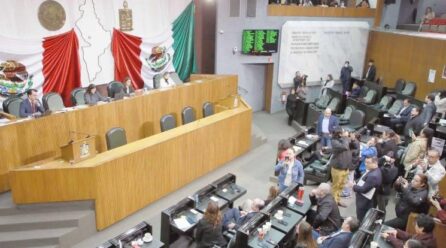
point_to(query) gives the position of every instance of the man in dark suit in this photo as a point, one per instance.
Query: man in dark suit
(327, 217)
(414, 124)
(370, 73)
(366, 187)
(326, 125)
(346, 75)
(429, 109)
(31, 105)
(403, 115)
(341, 239)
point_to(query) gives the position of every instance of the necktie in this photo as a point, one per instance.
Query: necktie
(33, 107)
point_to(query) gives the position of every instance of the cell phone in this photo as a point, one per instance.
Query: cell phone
(411, 133)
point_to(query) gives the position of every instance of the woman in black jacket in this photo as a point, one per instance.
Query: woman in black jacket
(413, 200)
(209, 228)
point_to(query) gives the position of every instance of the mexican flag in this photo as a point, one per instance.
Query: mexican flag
(141, 58)
(40, 64)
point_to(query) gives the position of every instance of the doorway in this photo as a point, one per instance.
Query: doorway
(255, 85)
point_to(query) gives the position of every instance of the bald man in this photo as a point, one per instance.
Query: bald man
(326, 125)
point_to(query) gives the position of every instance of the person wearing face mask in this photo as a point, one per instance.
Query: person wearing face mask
(370, 72)
(327, 84)
(346, 75)
(290, 171)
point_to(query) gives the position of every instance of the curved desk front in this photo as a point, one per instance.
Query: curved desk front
(128, 178)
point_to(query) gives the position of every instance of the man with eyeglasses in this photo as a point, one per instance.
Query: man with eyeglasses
(433, 169)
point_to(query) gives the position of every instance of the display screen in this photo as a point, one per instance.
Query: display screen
(260, 41)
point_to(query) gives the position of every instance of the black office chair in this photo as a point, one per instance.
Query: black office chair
(399, 85)
(77, 96)
(12, 105)
(114, 87)
(115, 137)
(409, 89)
(53, 101)
(356, 121)
(396, 107)
(208, 109)
(188, 115)
(168, 122)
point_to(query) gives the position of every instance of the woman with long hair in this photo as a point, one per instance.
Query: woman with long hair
(209, 228)
(273, 193)
(305, 236)
(92, 96)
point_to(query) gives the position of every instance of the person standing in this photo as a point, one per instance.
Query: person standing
(346, 75)
(416, 149)
(290, 171)
(432, 169)
(366, 187)
(327, 84)
(339, 162)
(326, 126)
(297, 81)
(370, 72)
(440, 103)
(368, 151)
(389, 173)
(429, 109)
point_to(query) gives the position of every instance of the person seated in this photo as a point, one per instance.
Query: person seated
(327, 84)
(31, 105)
(413, 243)
(429, 14)
(363, 4)
(341, 238)
(416, 150)
(234, 218)
(356, 91)
(166, 81)
(290, 171)
(304, 236)
(327, 218)
(413, 199)
(403, 115)
(128, 87)
(209, 229)
(273, 193)
(306, 3)
(92, 96)
(424, 227)
(432, 169)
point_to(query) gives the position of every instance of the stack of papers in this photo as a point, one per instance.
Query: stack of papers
(182, 223)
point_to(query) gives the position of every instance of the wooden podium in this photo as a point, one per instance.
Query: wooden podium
(78, 150)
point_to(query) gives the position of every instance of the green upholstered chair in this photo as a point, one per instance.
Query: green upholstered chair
(53, 102)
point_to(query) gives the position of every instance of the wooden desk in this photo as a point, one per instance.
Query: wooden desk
(30, 140)
(130, 177)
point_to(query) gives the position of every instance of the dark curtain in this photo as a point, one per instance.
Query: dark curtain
(61, 65)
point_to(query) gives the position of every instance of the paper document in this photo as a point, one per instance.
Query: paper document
(215, 199)
(369, 195)
(182, 223)
(193, 211)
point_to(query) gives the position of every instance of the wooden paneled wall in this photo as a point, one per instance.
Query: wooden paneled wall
(408, 57)
(30, 141)
(130, 177)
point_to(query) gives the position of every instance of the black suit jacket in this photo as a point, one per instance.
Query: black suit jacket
(373, 179)
(337, 240)
(207, 235)
(416, 124)
(328, 217)
(405, 115)
(372, 73)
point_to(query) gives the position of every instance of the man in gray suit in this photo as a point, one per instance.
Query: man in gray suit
(429, 109)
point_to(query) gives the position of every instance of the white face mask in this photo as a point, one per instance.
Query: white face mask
(370, 64)
(346, 65)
